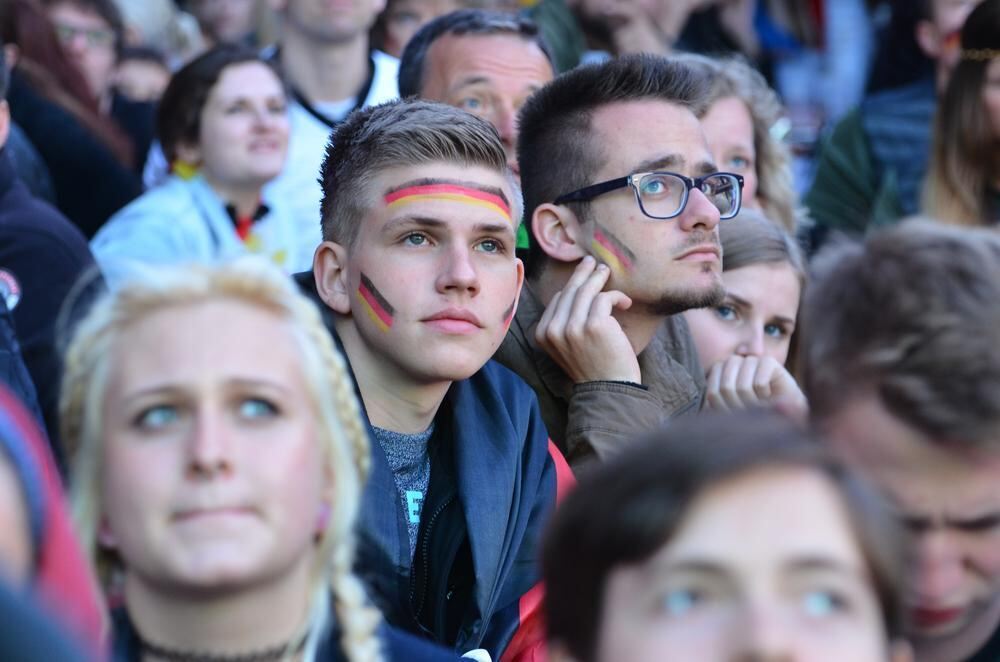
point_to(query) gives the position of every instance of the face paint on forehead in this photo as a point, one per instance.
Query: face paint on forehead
(486, 198)
(610, 250)
(379, 310)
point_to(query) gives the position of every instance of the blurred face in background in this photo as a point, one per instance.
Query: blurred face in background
(141, 79)
(728, 128)
(402, 19)
(331, 21)
(737, 583)
(244, 129)
(487, 75)
(939, 37)
(89, 42)
(225, 21)
(946, 493)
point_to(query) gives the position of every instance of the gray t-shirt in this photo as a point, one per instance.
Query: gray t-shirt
(411, 467)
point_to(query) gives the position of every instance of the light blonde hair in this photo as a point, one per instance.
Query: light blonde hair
(733, 77)
(344, 438)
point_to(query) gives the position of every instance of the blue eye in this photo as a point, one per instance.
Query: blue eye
(820, 603)
(257, 408)
(471, 104)
(739, 163)
(415, 239)
(775, 330)
(490, 246)
(680, 602)
(157, 417)
(652, 186)
(727, 313)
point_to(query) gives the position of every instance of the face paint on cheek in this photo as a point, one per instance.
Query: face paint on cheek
(452, 192)
(610, 250)
(379, 310)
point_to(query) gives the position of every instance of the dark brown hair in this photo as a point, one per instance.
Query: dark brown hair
(556, 149)
(965, 158)
(909, 315)
(625, 511)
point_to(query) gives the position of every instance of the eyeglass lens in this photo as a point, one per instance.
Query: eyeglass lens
(663, 195)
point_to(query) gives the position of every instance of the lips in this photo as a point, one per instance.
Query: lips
(194, 514)
(928, 618)
(701, 253)
(454, 321)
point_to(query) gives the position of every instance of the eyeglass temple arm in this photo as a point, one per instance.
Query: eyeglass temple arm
(592, 191)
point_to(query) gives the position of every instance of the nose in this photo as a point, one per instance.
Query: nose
(458, 272)
(209, 449)
(752, 341)
(767, 636)
(939, 568)
(699, 213)
(505, 121)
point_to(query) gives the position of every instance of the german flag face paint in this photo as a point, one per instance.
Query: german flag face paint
(378, 309)
(484, 198)
(608, 249)
(508, 315)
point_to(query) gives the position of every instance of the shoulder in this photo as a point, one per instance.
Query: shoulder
(385, 84)
(38, 228)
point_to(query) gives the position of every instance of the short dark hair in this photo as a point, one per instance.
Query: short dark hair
(461, 22)
(106, 9)
(178, 119)
(555, 150)
(625, 511)
(910, 316)
(395, 134)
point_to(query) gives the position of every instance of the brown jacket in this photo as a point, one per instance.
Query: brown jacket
(595, 419)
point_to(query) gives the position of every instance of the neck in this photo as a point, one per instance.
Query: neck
(246, 200)
(325, 71)
(638, 323)
(225, 621)
(393, 399)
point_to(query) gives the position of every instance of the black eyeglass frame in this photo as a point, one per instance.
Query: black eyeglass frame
(588, 193)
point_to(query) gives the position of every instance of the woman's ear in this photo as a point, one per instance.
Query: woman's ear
(330, 272)
(558, 232)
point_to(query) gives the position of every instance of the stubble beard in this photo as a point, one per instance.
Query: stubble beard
(674, 301)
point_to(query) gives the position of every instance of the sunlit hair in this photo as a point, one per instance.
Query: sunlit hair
(89, 363)
(733, 77)
(965, 161)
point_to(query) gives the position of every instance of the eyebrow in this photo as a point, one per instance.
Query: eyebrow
(743, 303)
(811, 563)
(676, 162)
(181, 389)
(435, 181)
(436, 223)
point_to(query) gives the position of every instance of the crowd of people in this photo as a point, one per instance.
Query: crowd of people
(569, 330)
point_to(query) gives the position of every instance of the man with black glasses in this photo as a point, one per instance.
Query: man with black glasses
(623, 201)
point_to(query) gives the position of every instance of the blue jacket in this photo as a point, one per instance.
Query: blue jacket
(502, 471)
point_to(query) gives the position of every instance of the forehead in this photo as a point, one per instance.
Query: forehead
(733, 521)
(76, 12)
(217, 338)
(245, 77)
(631, 133)
(915, 471)
(769, 285)
(453, 58)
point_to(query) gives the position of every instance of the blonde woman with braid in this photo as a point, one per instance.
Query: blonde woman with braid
(218, 461)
